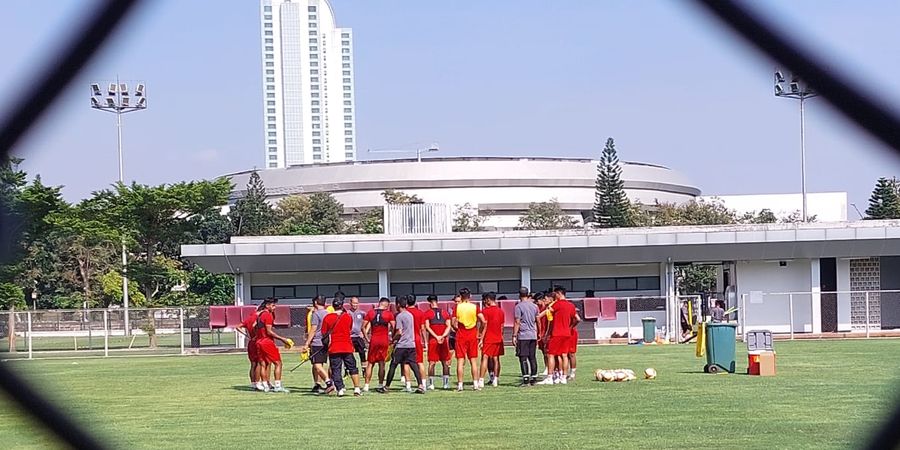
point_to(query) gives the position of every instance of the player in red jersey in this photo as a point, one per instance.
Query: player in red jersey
(380, 322)
(543, 328)
(248, 328)
(265, 343)
(492, 337)
(573, 344)
(437, 326)
(565, 318)
(338, 326)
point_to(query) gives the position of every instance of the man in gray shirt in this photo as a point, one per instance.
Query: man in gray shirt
(359, 344)
(318, 355)
(404, 346)
(525, 336)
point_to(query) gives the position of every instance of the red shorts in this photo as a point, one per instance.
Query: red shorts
(493, 349)
(252, 352)
(420, 353)
(558, 345)
(268, 352)
(466, 348)
(438, 352)
(573, 342)
(378, 351)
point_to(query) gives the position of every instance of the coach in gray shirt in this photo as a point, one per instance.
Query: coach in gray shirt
(318, 354)
(404, 346)
(359, 344)
(525, 336)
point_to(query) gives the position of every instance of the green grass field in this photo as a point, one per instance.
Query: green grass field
(827, 394)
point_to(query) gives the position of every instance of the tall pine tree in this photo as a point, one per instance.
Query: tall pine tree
(611, 207)
(884, 202)
(251, 215)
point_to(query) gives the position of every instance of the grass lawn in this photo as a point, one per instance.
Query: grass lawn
(827, 394)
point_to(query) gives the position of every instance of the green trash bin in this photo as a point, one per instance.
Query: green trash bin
(720, 338)
(649, 329)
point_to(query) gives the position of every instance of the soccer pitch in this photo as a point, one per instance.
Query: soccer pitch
(827, 394)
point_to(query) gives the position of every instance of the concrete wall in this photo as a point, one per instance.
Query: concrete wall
(772, 312)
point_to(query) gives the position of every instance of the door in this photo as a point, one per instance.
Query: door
(828, 280)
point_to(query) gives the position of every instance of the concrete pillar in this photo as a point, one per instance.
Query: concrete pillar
(239, 297)
(843, 299)
(667, 290)
(525, 277)
(384, 284)
(815, 284)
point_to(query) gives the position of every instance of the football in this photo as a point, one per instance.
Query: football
(650, 373)
(598, 374)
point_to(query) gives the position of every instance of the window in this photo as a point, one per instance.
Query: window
(312, 17)
(345, 58)
(317, 156)
(312, 40)
(345, 35)
(316, 126)
(368, 290)
(272, 142)
(269, 40)
(271, 118)
(584, 284)
(268, 33)
(315, 118)
(311, 9)
(345, 50)
(270, 56)
(401, 288)
(317, 149)
(314, 79)
(347, 80)
(270, 95)
(348, 132)
(317, 141)
(348, 148)
(271, 126)
(347, 103)
(348, 117)
(347, 95)
(348, 140)
(270, 72)
(315, 110)
(314, 56)
(626, 284)
(270, 87)
(261, 292)
(317, 133)
(346, 73)
(648, 283)
(350, 290)
(270, 64)
(267, 17)
(284, 292)
(313, 64)
(348, 110)
(567, 284)
(312, 24)
(540, 285)
(348, 125)
(271, 102)
(273, 149)
(314, 72)
(268, 25)
(270, 79)
(313, 48)
(269, 48)
(305, 291)
(346, 65)
(315, 103)
(273, 157)
(272, 134)
(345, 42)
(314, 95)
(273, 165)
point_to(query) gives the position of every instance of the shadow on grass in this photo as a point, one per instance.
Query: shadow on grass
(701, 372)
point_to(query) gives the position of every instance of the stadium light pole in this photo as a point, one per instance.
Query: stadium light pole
(418, 151)
(118, 100)
(798, 90)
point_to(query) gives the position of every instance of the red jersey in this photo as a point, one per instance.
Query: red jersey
(437, 319)
(418, 322)
(250, 325)
(339, 325)
(542, 323)
(563, 315)
(380, 319)
(493, 330)
(264, 318)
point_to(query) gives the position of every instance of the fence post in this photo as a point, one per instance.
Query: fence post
(30, 348)
(744, 316)
(867, 313)
(181, 332)
(12, 329)
(628, 316)
(106, 332)
(791, 306)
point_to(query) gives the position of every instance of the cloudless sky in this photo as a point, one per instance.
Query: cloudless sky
(510, 77)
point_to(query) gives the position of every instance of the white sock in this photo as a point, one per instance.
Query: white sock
(562, 380)
(408, 385)
(260, 386)
(459, 385)
(366, 386)
(446, 380)
(277, 383)
(402, 379)
(356, 390)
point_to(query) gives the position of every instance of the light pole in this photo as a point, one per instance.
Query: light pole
(417, 151)
(799, 90)
(118, 100)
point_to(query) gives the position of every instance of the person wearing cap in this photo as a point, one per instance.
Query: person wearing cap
(268, 352)
(338, 326)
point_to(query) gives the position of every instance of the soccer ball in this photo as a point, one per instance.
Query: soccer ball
(620, 376)
(608, 375)
(598, 374)
(650, 373)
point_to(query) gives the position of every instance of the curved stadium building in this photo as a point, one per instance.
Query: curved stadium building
(502, 185)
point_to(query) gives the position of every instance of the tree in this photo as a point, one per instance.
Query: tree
(696, 279)
(765, 215)
(611, 207)
(369, 222)
(210, 288)
(111, 290)
(312, 214)
(393, 197)
(209, 227)
(251, 214)
(545, 216)
(468, 218)
(696, 212)
(884, 202)
(11, 296)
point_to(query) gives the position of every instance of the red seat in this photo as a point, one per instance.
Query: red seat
(446, 306)
(283, 315)
(217, 316)
(608, 308)
(424, 306)
(366, 307)
(509, 312)
(233, 316)
(247, 311)
(591, 308)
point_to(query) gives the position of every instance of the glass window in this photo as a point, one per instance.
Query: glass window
(271, 126)
(346, 73)
(270, 79)
(316, 118)
(540, 285)
(313, 40)
(312, 17)
(648, 283)
(317, 133)
(346, 80)
(270, 95)
(345, 50)
(284, 291)
(271, 110)
(313, 64)
(368, 290)
(273, 149)
(261, 292)
(270, 102)
(270, 72)
(267, 17)
(347, 95)
(401, 288)
(267, 9)
(268, 25)
(567, 284)
(345, 42)
(346, 65)
(268, 32)
(271, 118)
(273, 165)
(269, 56)
(316, 126)
(312, 24)
(305, 291)
(314, 79)
(626, 284)
(583, 284)
(269, 48)
(272, 134)
(317, 141)
(509, 287)
(314, 72)
(312, 32)
(269, 40)
(604, 284)
(348, 110)
(315, 110)
(348, 132)
(348, 117)
(345, 58)
(314, 87)
(423, 288)
(488, 286)
(311, 9)
(272, 142)
(314, 56)
(314, 95)
(471, 285)
(347, 103)
(313, 48)
(350, 290)
(348, 147)
(270, 64)
(348, 155)
(328, 290)
(348, 125)
(270, 88)
(317, 149)
(317, 156)
(345, 35)
(348, 140)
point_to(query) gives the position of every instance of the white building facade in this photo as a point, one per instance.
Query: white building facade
(308, 90)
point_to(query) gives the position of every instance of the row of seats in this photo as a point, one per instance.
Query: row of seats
(232, 316)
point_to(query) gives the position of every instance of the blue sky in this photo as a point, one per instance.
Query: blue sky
(510, 77)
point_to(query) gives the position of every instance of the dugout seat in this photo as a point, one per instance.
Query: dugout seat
(424, 306)
(217, 316)
(366, 307)
(282, 315)
(446, 306)
(591, 308)
(233, 316)
(247, 311)
(608, 308)
(509, 312)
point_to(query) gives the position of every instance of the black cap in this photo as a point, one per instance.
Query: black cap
(338, 302)
(523, 292)
(270, 300)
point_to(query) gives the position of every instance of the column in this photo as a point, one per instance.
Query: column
(843, 299)
(239, 299)
(815, 284)
(384, 284)
(667, 290)
(525, 276)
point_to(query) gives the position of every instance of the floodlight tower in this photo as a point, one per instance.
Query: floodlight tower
(118, 100)
(798, 90)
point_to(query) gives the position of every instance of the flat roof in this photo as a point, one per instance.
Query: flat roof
(553, 247)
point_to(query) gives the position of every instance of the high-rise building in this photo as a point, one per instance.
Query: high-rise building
(308, 92)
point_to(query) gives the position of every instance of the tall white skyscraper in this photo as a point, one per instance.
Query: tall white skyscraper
(308, 92)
